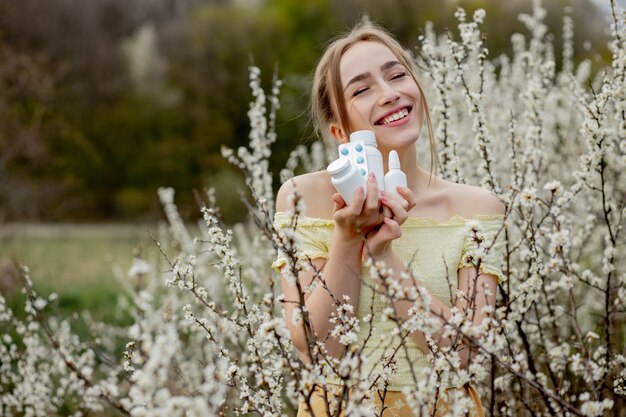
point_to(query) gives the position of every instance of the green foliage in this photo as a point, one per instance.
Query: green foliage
(80, 263)
(82, 138)
(229, 187)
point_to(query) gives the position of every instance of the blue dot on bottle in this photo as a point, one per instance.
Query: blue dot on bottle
(344, 151)
(359, 160)
(358, 148)
(363, 172)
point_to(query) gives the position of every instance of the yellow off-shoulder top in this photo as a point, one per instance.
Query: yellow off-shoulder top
(434, 250)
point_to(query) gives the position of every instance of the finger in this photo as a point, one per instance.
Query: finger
(390, 230)
(386, 211)
(399, 213)
(394, 230)
(408, 195)
(371, 201)
(344, 212)
(357, 200)
(395, 196)
(339, 201)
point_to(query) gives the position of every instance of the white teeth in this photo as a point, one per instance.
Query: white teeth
(396, 116)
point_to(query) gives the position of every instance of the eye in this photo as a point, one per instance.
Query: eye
(398, 75)
(359, 91)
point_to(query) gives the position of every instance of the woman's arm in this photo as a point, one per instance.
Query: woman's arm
(479, 289)
(341, 272)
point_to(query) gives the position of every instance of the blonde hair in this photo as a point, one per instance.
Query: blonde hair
(327, 89)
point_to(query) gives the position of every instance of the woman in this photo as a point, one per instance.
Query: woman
(366, 81)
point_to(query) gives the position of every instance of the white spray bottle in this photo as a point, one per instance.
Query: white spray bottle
(394, 176)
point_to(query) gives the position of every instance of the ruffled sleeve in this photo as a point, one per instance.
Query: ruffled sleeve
(484, 245)
(313, 236)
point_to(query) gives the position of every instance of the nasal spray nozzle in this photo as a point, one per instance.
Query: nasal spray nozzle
(357, 159)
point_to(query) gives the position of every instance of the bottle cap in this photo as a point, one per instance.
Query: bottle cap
(338, 166)
(367, 136)
(394, 160)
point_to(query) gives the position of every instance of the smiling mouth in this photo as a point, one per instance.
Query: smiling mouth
(400, 114)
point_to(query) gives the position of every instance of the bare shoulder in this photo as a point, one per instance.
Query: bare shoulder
(315, 190)
(469, 200)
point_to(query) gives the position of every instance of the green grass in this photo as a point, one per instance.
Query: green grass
(81, 263)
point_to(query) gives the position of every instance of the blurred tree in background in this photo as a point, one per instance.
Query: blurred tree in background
(103, 101)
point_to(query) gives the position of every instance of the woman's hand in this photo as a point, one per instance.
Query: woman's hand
(363, 215)
(399, 203)
(378, 243)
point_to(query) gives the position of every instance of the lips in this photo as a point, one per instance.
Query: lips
(393, 115)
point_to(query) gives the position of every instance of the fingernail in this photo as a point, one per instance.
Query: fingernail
(384, 199)
(371, 177)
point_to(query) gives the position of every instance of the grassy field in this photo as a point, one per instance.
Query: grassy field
(81, 263)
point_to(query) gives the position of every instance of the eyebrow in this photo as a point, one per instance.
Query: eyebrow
(365, 75)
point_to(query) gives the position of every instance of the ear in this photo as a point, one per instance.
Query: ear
(338, 133)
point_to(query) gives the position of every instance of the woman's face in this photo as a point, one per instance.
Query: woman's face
(381, 95)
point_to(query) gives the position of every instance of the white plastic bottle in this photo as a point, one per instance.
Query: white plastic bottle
(372, 154)
(346, 178)
(394, 176)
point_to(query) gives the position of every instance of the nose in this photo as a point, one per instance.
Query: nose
(388, 94)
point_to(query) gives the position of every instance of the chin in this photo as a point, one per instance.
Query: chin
(397, 140)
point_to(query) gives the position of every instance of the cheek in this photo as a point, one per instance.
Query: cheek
(357, 112)
(420, 103)
(418, 94)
